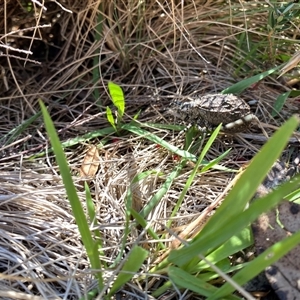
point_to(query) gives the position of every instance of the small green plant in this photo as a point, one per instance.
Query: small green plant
(91, 240)
(255, 50)
(281, 15)
(118, 100)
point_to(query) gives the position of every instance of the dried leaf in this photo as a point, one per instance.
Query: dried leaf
(90, 162)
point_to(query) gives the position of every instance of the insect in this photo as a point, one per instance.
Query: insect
(210, 110)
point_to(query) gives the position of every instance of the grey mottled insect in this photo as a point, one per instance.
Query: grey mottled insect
(210, 110)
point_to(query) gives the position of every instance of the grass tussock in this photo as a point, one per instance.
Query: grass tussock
(65, 53)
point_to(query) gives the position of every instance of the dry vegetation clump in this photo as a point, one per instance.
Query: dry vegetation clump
(65, 52)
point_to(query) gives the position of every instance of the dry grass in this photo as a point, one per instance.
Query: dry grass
(156, 52)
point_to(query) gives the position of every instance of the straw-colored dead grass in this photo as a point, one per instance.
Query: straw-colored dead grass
(156, 51)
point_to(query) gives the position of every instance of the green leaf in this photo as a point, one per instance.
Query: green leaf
(227, 220)
(117, 97)
(195, 171)
(279, 103)
(131, 266)
(235, 244)
(110, 117)
(140, 220)
(242, 85)
(91, 247)
(163, 190)
(185, 280)
(93, 221)
(81, 139)
(13, 134)
(267, 258)
(155, 139)
(232, 226)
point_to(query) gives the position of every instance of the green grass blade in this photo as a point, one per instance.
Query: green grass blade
(155, 139)
(270, 256)
(92, 215)
(13, 134)
(238, 197)
(235, 244)
(81, 221)
(194, 173)
(185, 280)
(242, 85)
(130, 267)
(144, 224)
(126, 229)
(249, 181)
(163, 190)
(78, 140)
(232, 226)
(278, 105)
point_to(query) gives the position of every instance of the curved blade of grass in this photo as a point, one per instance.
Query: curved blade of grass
(235, 244)
(268, 257)
(91, 295)
(246, 186)
(185, 280)
(129, 211)
(126, 229)
(250, 214)
(163, 190)
(173, 127)
(140, 220)
(131, 266)
(13, 134)
(92, 215)
(194, 172)
(238, 197)
(232, 226)
(294, 196)
(206, 149)
(206, 276)
(279, 103)
(242, 85)
(78, 140)
(81, 221)
(155, 139)
(144, 224)
(232, 245)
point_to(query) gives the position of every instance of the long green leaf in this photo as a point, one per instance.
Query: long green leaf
(90, 245)
(185, 280)
(110, 117)
(234, 204)
(130, 267)
(242, 85)
(163, 190)
(13, 134)
(117, 97)
(268, 257)
(155, 139)
(232, 226)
